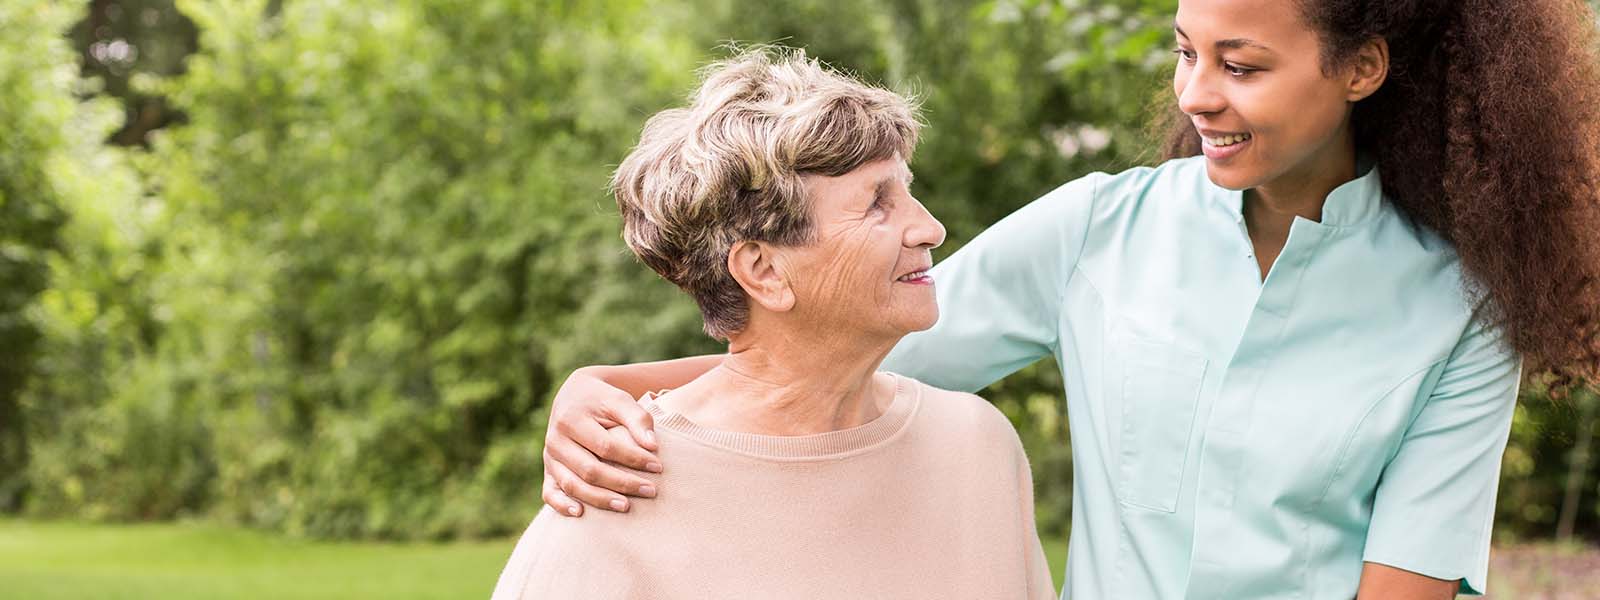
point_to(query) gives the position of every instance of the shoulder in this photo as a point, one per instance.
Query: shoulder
(1421, 262)
(599, 536)
(1179, 183)
(1133, 185)
(1154, 202)
(1398, 230)
(1068, 214)
(953, 415)
(559, 556)
(593, 536)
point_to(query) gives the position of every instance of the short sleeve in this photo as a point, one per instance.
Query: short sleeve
(1433, 511)
(1000, 295)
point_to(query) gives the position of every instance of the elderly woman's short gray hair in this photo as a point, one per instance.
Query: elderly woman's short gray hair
(728, 167)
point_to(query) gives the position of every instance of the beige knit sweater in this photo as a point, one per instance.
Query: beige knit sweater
(932, 499)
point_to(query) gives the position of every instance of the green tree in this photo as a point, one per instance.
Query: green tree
(37, 109)
(399, 231)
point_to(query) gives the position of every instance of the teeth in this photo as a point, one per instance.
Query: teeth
(1227, 140)
(910, 276)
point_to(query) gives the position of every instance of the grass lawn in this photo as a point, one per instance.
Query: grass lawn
(178, 561)
(1056, 551)
(50, 560)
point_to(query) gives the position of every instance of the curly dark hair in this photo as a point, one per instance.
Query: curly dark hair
(1487, 131)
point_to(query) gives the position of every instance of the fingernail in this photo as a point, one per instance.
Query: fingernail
(653, 467)
(572, 510)
(650, 436)
(647, 490)
(618, 505)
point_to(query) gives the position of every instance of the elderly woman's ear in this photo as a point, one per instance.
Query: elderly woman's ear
(754, 266)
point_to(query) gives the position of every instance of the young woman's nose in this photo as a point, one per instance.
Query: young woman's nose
(1197, 91)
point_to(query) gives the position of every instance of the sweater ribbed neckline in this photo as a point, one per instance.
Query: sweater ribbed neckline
(830, 444)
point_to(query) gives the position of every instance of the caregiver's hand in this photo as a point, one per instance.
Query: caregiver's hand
(594, 427)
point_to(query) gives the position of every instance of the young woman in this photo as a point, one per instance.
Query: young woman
(1292, 351)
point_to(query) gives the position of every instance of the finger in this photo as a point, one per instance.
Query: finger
(556, 499)
(596, 472)
(621, 450)
(565, 415)
(641, 425)
(574, 486)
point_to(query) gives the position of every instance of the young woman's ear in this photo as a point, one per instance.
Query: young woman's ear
(1368, 69)
(753, 265)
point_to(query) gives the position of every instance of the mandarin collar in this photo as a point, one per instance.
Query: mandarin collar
(1352, 203)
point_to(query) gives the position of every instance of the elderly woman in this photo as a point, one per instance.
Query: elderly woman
(779, 201)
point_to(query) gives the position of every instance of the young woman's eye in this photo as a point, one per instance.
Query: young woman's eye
(1186, 55)
(1236, 70)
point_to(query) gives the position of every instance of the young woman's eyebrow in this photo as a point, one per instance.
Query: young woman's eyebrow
(1230, 43)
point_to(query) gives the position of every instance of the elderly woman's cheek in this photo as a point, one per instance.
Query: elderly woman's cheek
(846, 256)
(840, 284)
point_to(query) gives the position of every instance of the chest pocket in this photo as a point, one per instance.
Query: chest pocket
(1160, 390)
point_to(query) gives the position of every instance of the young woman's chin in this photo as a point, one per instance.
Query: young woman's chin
(1232, 177)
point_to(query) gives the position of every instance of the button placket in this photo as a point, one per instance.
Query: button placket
(1224, 452)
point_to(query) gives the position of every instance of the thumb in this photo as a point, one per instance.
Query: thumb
(641, 425)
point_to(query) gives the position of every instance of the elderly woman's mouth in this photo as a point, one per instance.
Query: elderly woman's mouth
(916, 278)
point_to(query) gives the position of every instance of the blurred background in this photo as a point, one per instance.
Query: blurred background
(286, 286)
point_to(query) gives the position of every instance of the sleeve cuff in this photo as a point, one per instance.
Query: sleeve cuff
(1452, 554)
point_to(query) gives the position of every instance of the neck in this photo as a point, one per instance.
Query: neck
(1303, 191)
(791, 383)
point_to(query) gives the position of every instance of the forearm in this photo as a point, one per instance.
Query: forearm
(640, 378)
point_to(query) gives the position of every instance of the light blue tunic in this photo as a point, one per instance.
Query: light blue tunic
(1233, 438)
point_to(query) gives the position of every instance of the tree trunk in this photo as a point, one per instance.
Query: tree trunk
(1578, 464)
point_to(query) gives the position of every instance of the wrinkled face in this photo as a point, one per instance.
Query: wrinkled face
(865, 270)
(1250, 77)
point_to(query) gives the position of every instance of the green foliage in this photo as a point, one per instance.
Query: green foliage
(105, 434)
(122, 41)
(403, 247)
(334, 294)
(1546, 450)
(38, 117)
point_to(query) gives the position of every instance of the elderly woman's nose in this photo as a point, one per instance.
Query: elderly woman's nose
(925, 230)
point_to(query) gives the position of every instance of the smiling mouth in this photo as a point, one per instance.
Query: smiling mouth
(914, 277)
(1226, 140)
